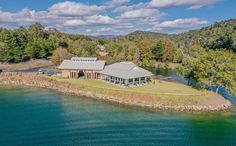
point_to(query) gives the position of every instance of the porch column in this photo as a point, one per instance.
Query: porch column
(77, 74)
(126, 82)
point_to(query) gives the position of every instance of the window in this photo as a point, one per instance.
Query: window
(136, 79)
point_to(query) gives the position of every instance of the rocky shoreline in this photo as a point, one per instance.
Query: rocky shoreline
(35, 80)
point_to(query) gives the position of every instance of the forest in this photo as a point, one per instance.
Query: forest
(207, 55)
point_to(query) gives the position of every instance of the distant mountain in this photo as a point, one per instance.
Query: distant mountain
(216, 36)
(103, 36)
(154, 35)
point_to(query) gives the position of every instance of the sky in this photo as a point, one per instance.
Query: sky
(116, 17)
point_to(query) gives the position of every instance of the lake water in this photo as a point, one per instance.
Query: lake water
(32, 116)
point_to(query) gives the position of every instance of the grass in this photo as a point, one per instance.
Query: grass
(160, 91)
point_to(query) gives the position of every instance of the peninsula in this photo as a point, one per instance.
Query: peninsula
(156, 95)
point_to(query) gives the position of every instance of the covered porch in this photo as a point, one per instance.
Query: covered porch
(126, 82)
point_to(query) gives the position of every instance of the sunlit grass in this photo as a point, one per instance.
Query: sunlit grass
(165, 91)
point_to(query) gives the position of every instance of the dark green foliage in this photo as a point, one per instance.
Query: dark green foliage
(221, 35)
(35, 43)
(101, 41)
(221, 42)
(211, 68)
(158, 50)
(12, 45)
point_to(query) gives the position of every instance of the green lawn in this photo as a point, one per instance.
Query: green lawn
(159, 87)
(163, 91)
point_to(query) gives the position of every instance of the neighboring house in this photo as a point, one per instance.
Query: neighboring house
(102, 50)
(123, 73)
(82, 67)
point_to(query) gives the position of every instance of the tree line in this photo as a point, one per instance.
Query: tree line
(36, 42)
(23, 44)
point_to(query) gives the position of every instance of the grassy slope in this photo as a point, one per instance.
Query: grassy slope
(161, 92)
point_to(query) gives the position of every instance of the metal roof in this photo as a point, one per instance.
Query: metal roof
(84, 58)
(125, 70)
(123, 65)
(82, 65)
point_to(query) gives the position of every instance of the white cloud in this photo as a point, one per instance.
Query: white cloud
(74, 22)
(178, 25)
(69, 8)
(88, 30)
(128, 8)
(100, 19)
(192, 4)
(26, 17)
(182, 23)
(90, 19)
(115, 3)
(105, 30)
(143, 15)
(124, 26)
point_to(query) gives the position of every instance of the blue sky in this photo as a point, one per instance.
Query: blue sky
(116, 17)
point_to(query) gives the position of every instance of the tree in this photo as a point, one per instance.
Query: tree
(169, 51)
(56, 58)
(37, 31)
(178, 56)
(224, 69)
(145, 50)
(12, 45)
(101, 41)
(164, 51)
(158, 50)
(211, 68)
(59, 55)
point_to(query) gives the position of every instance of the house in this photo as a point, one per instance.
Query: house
(82, 67)
(102, 50)
(123, 73)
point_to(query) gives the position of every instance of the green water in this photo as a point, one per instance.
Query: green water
(31, 116)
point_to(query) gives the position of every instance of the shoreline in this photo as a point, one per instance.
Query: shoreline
(35, 80)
